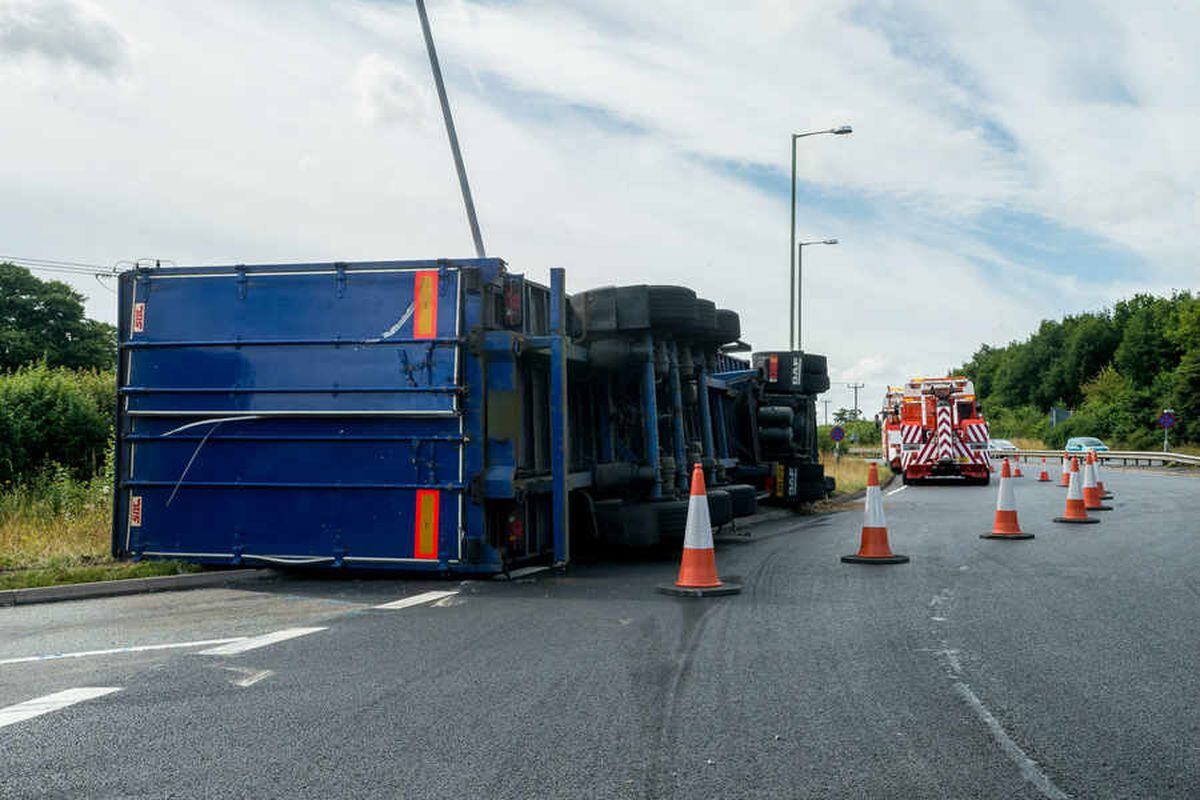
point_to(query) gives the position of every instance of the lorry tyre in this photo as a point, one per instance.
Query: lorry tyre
(814, 383)
(778, 436)
(720, 507)
(814, 364)
(639, 525)
(775, 416)
(810, 482)
(745, 499)
(728, 326)
(672, 308)
(706, 318)
(671, 518)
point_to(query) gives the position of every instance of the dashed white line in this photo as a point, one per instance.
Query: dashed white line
(141, 648)
(894, 491)
(249, 676)
(52, 702)
(417, 599)
(255, 642)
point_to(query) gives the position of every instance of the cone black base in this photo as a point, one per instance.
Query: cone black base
(1088, 521)
(712, 591)
(857, 559)
(1100, 508)
(1006, 536)
(1108, 496)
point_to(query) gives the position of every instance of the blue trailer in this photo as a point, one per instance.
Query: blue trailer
(442, 415)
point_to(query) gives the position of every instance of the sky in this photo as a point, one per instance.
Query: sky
(1011, 160)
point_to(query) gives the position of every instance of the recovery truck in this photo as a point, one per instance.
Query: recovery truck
(942, 432)
(444, 415)
(889, 427)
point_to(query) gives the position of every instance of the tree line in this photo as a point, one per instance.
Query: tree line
(1116, 370)
(57, 380)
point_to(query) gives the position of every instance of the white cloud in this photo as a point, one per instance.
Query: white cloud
(590, 132)
(388, 94)
(63, 32)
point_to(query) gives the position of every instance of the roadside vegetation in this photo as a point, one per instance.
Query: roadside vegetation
(57, 409)
(1115, 370)
(850, 472)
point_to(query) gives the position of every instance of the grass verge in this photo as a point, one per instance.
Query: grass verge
(57, 530)
(850, 472)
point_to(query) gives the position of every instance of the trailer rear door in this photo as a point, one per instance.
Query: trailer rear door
(293, 414)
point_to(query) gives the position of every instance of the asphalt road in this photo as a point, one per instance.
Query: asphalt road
(1063, 666)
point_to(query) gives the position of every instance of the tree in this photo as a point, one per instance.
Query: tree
(844, 416)
(44, 321)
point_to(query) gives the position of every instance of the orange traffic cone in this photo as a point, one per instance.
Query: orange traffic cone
(1043, 476)
(874, 548)
(698, 568)
(1017, 469)
(1005, 525)
(1065, 479)
(1105, 494)
(1075, 512)
(1092, 499)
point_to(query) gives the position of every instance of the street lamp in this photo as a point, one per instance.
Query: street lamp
(799, 277)
(841, 130)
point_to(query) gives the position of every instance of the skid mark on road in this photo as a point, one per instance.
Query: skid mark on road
(255, 642)
(52, 702)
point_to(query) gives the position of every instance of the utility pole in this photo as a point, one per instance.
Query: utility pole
(855, 387)
(459, 167)
(826, 402)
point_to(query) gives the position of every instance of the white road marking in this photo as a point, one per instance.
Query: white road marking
(52, 702)
(141, 648)
(1029, 768)
(255, 642)
(249, 676)
(894, 491)
(417, 599)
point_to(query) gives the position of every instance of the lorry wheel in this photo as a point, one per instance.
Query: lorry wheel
(745, 499)
(672, 308)
(639, 525)
(814, 364)
(706, 318)
(728, 326)
(671, 517)
(775, 416)
(811, 383)
(720, 507)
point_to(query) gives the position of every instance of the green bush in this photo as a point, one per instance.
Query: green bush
(865, 430)
(54, 416)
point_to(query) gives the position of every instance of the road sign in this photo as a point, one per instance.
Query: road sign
(1167, 420)
(837, 433)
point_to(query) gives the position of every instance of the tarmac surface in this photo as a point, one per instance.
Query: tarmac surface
(1063, 666)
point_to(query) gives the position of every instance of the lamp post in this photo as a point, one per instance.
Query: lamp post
(839, 131)
(799, 292)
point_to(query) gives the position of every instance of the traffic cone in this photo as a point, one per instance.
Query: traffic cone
(1065, 480)
(1105, 494)
(874, 548)
(698, 567)
(1091, 492)
(1075, 513)
(1043, 476)
(1017, 469)
(1005, 525)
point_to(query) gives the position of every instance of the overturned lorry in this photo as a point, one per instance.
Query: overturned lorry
(440, 415)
